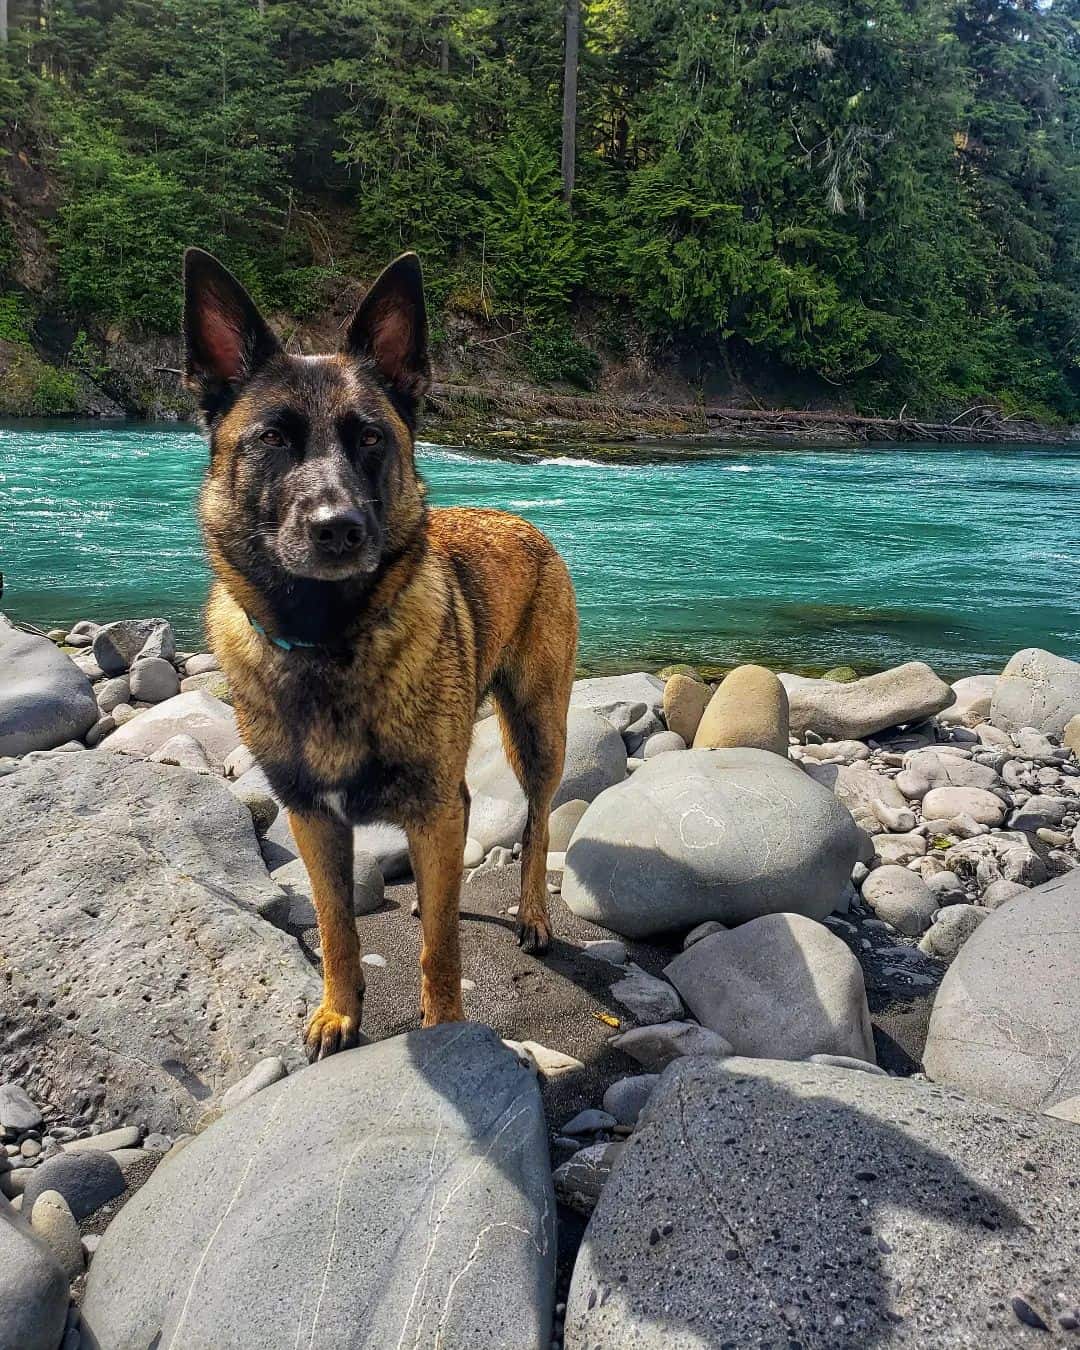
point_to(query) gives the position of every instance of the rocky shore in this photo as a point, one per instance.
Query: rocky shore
(802, 1067)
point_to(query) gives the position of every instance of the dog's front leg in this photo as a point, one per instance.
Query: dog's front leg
(436, 849)
(326, 846)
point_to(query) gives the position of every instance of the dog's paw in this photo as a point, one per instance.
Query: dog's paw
(330, 1031)
(440, 1005)
(414, 908)
(534, 938)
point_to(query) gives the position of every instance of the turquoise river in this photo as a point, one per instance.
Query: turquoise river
(797, 558)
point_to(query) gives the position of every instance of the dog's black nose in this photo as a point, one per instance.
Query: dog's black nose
(338, 532)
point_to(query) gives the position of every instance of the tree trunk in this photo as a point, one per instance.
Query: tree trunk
(444, 55)
(569, 103)
(3, 22)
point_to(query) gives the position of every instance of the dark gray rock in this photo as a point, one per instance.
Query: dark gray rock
(626, 1097)
(116, 645)
(709, 834)
(398, 1194)
(764, 1203)
(782, 987)
(140, 980)
(45, 700)
(1006, 1022)
(17, 1111)
(33, 1288)
(86, 1180)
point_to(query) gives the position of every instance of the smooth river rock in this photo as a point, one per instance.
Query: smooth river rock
(595, 759)
(33, 1287)
(859, 708)
(196, 714)
(613, 696)
(778, 1204)
(116, 645)
(1037, 689)
(749, 709)
(140, 981)
(1006, 1021)
(395, 1195)
(685, 700)
(780, 987)
(45, 699)
(709, 834)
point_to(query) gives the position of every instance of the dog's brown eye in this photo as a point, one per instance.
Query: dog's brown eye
(370, 436)
(274, 438)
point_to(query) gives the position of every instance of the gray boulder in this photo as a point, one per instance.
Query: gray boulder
(33, 1288)
(860, 789)
(386, 843)
(781, 987)
(900, 897)
(613, 696)
(18, 1112)
(595, 759)
(859, 708)
(1036, 689)
(1006, 1021)
(299, 910)
(709, 834)
(137, 969)
(86, 1180)
(973, 698)
(951, 928)
(116, 645)
(197, 714)
(398, 1194)
(762, 1203)
(45, 700)
(153, 680)
(654, 1047)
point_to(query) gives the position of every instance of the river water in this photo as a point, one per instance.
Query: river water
(796, 558)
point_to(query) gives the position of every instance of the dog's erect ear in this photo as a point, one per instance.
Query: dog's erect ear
(226, 337)
(390, 330)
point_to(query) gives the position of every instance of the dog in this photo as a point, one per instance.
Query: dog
(359, 628)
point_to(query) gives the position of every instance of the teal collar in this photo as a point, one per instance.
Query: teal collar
(286, 644)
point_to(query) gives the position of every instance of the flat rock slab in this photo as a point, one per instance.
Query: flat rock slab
(859, 708)
(395, 1195)
(140, 981)
(767, 1203)
(1006, 1023)
(45, 699)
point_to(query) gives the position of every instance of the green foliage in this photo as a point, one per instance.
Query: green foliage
(882, 199)
(30, 388)
(14, 319)
(553, 354)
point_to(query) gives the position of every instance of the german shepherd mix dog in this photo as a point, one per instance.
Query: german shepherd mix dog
(360, 629)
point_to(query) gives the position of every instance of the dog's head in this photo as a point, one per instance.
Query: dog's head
(312, 474)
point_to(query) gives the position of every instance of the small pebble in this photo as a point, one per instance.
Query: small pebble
(373, 959)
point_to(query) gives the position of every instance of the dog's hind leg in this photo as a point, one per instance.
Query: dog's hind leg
(326, 846)
(531, 695)
(436, 848)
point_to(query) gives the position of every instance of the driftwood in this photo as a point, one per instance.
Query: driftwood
(982, 423)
